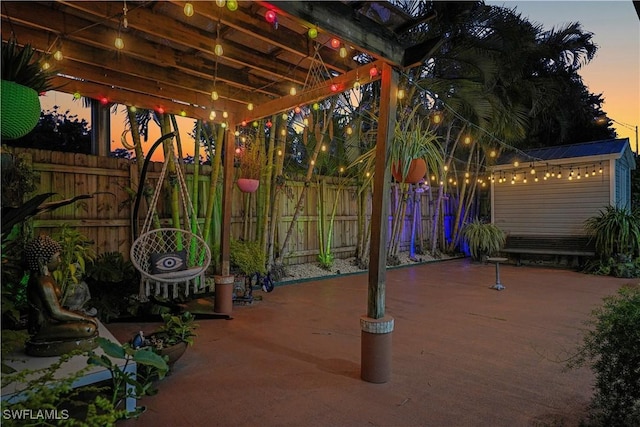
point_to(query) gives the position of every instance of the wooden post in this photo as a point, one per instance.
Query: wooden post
(224, 281)
(376, 327)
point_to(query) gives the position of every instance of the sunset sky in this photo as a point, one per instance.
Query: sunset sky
(614, 72)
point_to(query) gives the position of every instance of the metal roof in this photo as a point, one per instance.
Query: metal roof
(608, 147)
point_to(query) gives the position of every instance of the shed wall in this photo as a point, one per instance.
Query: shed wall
(552, 206)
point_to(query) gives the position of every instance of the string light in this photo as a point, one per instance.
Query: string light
(356, 85)
(214, 95)
(335, 43)
(221, 3)
(250, 106)
(312, 33)
(343, 52)
(218, 50)
(293, 91)
(232, 5)
(58, 55)
(188, 9)
(119, 43)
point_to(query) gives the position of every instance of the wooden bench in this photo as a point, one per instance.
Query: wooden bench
(570, 246)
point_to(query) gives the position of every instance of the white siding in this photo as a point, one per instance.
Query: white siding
(550, 207)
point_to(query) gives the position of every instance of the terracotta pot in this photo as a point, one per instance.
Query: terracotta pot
(417, 170)
(174, 352)
(248, 185)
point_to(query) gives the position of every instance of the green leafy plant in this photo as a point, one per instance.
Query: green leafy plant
(77, 252)
(127, 384)
(177, 328)
(247, 257)
(483, 239)
(616, 231)
(611, 349)
(20, 65)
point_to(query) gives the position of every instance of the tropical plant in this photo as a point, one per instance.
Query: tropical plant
(20, 65)
(177, 328)
(611, 349)
(127, 384)
(483, 239)
(616, 231)
(77, 253)
(247, 257)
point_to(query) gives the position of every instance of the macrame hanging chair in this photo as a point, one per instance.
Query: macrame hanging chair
(169, 257)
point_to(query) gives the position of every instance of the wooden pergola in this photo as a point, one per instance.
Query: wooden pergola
(168, 60)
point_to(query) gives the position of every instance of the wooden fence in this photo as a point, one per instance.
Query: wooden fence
(106, 218)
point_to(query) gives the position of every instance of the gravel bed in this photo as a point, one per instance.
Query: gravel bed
(340, 266)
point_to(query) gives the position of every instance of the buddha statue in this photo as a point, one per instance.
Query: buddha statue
(53, 329)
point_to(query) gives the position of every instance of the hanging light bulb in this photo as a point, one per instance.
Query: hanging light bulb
(492, 153)
(334, 87)
(467, 140)
(232, 5)
(279, 152)
(437, 118)
(305, 121)
(356, 85)
(285, 116)
(373, 71)
(236, 133)
(283, 132)
(223, 125)
(316, 106)
(221, 3)
(343, 52)
(349, 130)
(218, 50)
(293, 91)
(335, 43)
(312, 33)
(119, 43)
(323, 147)
(188, 9)
(269, 124)
(104, 100)
(250, 106)
(212, 115)
(297, 110)
(45, 65)
(77, 95)
(225, 115)
(400, 93)
(183, 113)
(214, 95)
(516, 164)
(270, 16)
(58, 55)
(133, 109)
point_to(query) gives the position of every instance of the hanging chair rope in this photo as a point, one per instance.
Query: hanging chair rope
(183, 250)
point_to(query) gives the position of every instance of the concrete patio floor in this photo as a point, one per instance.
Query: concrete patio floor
(463, 354)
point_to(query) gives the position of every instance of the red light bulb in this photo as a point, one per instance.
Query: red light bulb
(270, 16)
(334, 87)
(269, 124)
(244, 123)
(335, 43)
(104, 100)
(373, 71)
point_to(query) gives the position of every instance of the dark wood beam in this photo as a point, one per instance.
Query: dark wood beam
(339, 18)
(343, 82)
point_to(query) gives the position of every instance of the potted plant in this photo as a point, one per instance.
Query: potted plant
(246, 258)
(414, 148)
(23, 79)
(250, 158)
(483, 239)
(173, 337)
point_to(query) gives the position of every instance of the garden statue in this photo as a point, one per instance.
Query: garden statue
(53, 329)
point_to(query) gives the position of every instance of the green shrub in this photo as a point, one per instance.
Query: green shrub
(483, 239)
(247, 257)
(616, 232)
(611, 349)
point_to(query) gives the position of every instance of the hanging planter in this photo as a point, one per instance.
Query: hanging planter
(417, 170)
(20, 110)
(247, 185)
(23, 79)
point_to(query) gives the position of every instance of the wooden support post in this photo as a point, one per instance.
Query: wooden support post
(376, 351)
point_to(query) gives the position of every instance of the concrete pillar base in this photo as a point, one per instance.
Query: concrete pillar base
(376, 349)
(223, 294)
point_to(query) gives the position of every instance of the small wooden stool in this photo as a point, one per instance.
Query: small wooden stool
(497, 260)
